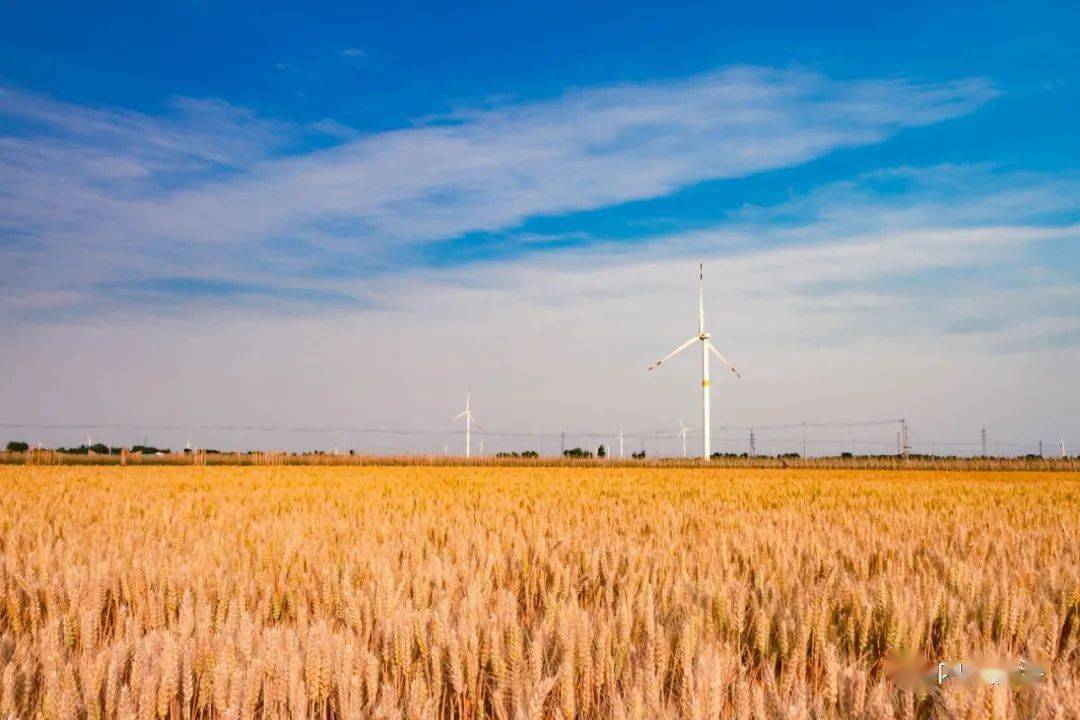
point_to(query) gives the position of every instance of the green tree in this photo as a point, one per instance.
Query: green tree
(16, 446)
(601, 452)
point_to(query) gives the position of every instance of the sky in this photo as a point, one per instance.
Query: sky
(288, 225)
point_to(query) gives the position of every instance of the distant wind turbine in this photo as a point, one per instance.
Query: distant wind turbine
(467, 414)
(619, 437)
(706, 348)
(682, 434)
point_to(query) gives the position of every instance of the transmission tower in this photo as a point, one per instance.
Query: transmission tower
(905, 439)
(984, 441)
(753, 447)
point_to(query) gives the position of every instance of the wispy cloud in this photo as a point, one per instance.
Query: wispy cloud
(193, 130)
(166, 291)
(331, 127)
(204, 185)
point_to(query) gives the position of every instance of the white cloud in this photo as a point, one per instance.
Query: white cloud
(138, 198)
(194, 130)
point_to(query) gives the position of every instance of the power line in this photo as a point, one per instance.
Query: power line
(654, 436)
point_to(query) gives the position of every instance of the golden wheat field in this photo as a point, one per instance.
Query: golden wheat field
(446, 592)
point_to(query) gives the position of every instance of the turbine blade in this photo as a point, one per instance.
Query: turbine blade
(675, 352)
(701, 297)
(723, 359)
(460, 415)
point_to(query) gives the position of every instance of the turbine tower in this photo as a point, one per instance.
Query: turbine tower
(706, 348)
(467, 414)
(619, 437)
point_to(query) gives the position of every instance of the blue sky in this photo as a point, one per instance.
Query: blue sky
(876, 181)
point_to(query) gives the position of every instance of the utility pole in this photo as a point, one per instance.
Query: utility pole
(804, 439)
(1040, 448)
(563, 442)
(984, 441)
(753, 446)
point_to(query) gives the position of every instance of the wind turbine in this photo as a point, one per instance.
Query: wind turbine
(682, 434)
(619, 437)
(467, 414)
(706, 348)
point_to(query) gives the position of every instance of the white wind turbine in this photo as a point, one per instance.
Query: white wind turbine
(706, 348)
(619, 437)
(467, 414)
(682, 434)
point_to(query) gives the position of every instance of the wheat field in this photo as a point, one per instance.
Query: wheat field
(471, 592)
